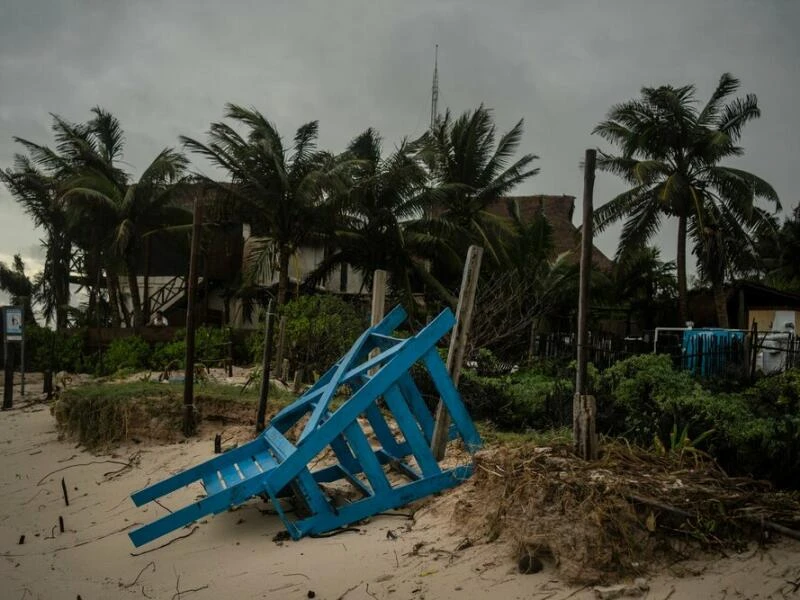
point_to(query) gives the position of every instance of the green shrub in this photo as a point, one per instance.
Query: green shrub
(63, 350)
(319, 330)
(210, 343)
(518, 402)
(755, 432)
(130, 352)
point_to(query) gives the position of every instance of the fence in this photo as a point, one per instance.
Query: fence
(706, 353)
(604, 349)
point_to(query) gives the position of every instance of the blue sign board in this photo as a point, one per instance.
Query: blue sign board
(12, 324)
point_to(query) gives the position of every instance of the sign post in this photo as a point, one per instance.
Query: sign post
(13, 319)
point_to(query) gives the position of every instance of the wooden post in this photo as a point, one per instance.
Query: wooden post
(753, 350)
(584, 408)
(230, 352)
(378, 307)
(298, 380)
(281, 349)
(8, 380)
(189, 425)
(378, 296)
(146, 299)
(458, 343)
(263, 392)
(285, 370)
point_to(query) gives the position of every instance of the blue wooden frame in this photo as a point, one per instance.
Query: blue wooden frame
(274, 466)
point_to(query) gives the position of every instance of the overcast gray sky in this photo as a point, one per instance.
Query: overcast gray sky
(166, 68)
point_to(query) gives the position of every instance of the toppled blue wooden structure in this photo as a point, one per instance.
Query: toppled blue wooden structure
(272, 466)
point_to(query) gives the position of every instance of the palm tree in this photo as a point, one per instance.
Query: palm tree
(644, 284)
(132, 210)
(109, 212)
(38, 195)
(279, 189)
(379, 225)
(670, 155)
(18, 286)
(472, 172)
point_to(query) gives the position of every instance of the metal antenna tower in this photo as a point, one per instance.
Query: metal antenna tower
(435, 89)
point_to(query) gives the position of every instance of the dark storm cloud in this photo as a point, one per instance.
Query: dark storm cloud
(166, 68)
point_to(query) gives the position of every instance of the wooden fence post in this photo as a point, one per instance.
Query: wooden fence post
(8, 380)
(189, 425)
(458, 343)
(263, 392)
(584, 406)
(281, 349)
(378, 307)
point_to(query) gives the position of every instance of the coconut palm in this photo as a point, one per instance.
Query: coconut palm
(110, 211)
(473, 169)
(670, 154)
(378, 224)
(18, 286)
(38, 195)
(279, 190)
(644, 285)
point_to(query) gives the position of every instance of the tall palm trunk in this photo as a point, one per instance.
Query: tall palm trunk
(721, 304)
(683, 300)
(113, 298)
(123, 306)
(136, 298)
(61, 292)
(283, 274)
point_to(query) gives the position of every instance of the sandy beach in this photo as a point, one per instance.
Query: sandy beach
(233, 555)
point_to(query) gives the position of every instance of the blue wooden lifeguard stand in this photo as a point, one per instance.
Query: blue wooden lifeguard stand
(273, 466)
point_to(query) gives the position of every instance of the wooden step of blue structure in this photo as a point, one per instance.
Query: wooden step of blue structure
(273, 466)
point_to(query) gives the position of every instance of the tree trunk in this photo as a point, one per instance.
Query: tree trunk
(126, 314)
(61, 283)
(283, 275)
(146, 299)
(721, 304)
(683, 299)
(136, 298)
(113, 298)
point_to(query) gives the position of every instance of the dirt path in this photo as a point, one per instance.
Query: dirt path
(233, 555)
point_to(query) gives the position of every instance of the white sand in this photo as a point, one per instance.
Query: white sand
(232, 555)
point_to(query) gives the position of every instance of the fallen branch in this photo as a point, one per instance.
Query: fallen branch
(792, 533)
(348, 590)
(180, 537)
(94, 462)
(135, 581)
(179, 592)
(78, 545)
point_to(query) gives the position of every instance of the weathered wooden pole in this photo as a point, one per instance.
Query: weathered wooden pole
(281, 349)
(263, 391)
(189, 425)
(584, 407)
(8, 380)
(378, 306)
(378, 296)
(458, 343)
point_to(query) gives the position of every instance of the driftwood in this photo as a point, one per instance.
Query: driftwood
(766, 524)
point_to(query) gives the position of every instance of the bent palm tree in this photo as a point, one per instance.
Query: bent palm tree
(279, 189)
(126, 209)
(378, 224)
(670, 155)
(38, 196)
(18, 286)
(471, 173)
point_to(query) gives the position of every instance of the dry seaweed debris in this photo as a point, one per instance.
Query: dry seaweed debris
(622, 515)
